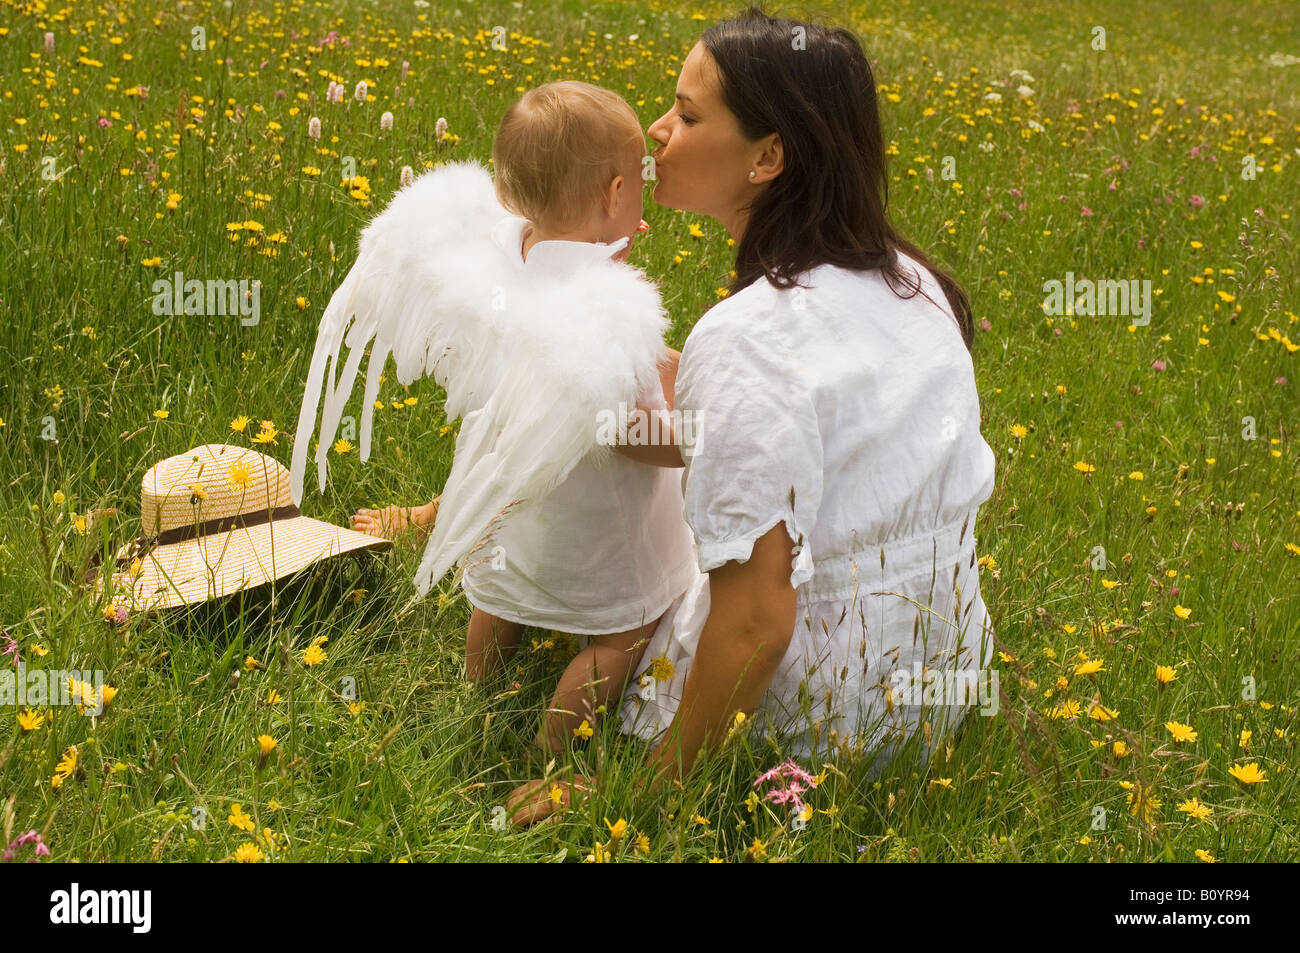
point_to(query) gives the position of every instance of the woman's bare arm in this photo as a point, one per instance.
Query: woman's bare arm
(751, 620)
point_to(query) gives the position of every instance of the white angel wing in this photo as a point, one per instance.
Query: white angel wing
(581, 344)
(531, 358)
(401, 293)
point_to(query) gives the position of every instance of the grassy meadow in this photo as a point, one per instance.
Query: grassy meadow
(1140, 553)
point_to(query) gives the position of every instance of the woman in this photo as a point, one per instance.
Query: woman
(838, 465)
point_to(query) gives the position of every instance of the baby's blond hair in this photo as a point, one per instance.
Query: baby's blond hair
(557, 148)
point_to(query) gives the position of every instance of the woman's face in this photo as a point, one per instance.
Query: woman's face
(704, 160)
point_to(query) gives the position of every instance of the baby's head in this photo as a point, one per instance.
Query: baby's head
(568, 158)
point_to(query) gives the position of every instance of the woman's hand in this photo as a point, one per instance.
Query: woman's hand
(752, 612)
(543, 801)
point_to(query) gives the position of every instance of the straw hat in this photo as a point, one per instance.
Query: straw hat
(218, 519)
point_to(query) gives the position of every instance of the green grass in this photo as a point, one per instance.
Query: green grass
(417, 773)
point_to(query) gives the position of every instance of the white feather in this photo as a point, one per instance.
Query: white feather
(530, 359)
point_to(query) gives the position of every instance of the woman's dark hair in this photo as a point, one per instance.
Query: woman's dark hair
(813, 86)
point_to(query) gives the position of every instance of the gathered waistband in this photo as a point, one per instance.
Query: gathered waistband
(937, 550)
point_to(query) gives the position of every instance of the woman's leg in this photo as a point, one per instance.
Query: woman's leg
(597, 676)
(489, 644)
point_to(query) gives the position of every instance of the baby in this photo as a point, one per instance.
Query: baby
(605, 553)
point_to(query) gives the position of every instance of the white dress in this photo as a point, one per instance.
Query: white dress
(850, 415)
(608, 550)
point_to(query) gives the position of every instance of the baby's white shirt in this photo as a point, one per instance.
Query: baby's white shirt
(609, 549)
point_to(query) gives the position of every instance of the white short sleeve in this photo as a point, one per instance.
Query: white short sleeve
(752, 445)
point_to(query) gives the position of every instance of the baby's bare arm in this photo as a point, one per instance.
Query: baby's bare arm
(668, 376)
(666, 450)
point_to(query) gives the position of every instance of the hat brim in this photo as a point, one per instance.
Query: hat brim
(221, 564)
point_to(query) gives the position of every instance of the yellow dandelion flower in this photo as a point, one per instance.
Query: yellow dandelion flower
(1066, 710)
(247, 854)
(1180, 731)
(1142, 803)
(68, 763)
(1248, 773)
(1196, 809)
(240, 475)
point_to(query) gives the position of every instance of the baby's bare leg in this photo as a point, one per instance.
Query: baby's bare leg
(391, 520)
(596, 676)
(489, 644)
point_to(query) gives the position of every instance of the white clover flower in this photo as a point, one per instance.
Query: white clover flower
(386, 122)
(359, 94)
(408, 175)
(313, 128)
(440, 127)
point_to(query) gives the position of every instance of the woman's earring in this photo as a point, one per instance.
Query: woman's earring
(751, 174)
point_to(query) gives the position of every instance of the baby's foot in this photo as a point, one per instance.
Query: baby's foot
(391, 520)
